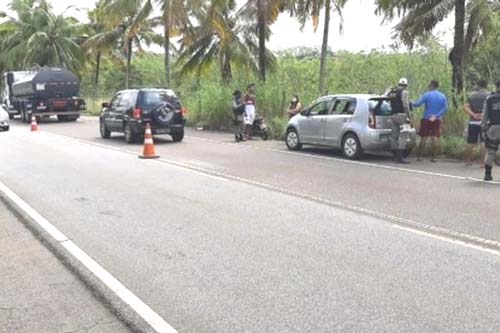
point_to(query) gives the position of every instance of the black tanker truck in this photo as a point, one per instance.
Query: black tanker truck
(45, 93)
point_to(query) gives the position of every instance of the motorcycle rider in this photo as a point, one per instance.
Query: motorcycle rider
(249, 110)
(491, 128)
(400, 106)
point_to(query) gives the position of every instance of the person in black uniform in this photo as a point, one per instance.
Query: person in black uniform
(491, 128)
(401, 114)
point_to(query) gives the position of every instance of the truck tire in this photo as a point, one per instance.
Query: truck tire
(62, 117)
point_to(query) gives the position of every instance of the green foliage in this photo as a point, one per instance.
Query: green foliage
(38, 36)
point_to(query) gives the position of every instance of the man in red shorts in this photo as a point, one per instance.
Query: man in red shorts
(436, 105)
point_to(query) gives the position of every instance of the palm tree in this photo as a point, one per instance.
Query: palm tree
(421, 17)
(267, 12)
(305, 9)
(100, 38)
(175, 15)
(132, 22)
(37, 36)
(223, 36)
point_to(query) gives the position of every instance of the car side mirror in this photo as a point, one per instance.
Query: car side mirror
(305, 112)
(105, 105)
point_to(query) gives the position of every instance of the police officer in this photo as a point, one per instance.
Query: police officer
(400, 105)
(491, 128)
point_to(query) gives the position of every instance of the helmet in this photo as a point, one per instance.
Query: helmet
(403, 81)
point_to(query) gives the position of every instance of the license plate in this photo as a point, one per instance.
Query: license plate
(59, 104)
(162, 131)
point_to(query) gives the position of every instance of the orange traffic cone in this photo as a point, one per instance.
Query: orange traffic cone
(149, 147)
(34, 125)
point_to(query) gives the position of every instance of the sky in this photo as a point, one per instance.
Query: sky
(362, 31)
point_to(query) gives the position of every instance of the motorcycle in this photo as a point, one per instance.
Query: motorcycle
(259, 128)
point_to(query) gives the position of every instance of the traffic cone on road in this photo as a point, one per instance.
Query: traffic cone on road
(149, 147)
(34, 125)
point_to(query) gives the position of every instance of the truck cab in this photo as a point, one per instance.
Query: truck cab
(7, 98)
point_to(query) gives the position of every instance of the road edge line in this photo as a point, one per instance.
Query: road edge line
(122, 302)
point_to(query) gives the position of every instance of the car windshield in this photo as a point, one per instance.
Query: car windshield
(152, 98)
(380, 107)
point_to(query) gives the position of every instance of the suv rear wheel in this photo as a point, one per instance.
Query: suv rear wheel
(105, 132)
(130, 136)
(178, 136)
(351, 147)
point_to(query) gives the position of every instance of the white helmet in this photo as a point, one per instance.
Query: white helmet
(403, 81)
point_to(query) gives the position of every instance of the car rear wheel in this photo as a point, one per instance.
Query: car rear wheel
(292, 139)
(351, 147)
(178, 136)
(130, 136)
(105, 132)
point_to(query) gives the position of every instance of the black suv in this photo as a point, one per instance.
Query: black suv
(129, 111)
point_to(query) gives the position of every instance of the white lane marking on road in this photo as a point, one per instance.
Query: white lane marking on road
(341, 160)
(410, 224)
(179, 165)
(27, 209)
(142, 309)
(449, 240)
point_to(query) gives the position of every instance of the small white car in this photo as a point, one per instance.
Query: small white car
(4, 119)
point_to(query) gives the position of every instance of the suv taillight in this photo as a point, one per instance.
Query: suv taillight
(137, 114)
(371, 120)
(184, 111)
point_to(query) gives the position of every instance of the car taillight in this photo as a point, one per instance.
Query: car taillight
(371, 120)
(137, 114)
(184, 111)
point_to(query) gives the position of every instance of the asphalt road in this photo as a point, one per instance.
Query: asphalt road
(220, 237)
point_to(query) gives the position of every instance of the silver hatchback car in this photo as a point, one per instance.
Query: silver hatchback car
(353, 123)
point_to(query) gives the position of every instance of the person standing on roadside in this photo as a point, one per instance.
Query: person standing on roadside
(250, 100)
(238, 111)
(401, 114)
(474, 108)
(295, 107)
(490, 125)
(436, 106)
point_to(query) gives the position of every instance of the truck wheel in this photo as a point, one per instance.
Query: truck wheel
(27, 118)
(72, 118)
(105, 132)
(130, 136)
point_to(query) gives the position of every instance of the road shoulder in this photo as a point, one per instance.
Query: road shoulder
(38, 293)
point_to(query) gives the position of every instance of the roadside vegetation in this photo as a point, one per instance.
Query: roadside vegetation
(214, 47)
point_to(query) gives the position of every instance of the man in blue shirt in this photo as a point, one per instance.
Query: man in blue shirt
(436, 106)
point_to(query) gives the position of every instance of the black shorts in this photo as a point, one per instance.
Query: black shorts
(475, 134)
